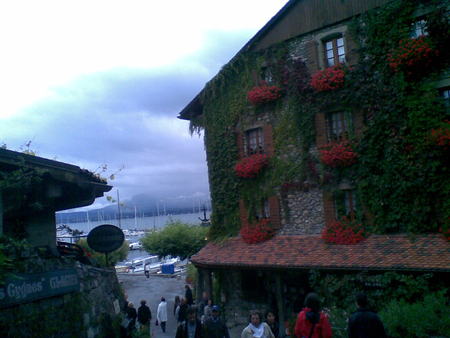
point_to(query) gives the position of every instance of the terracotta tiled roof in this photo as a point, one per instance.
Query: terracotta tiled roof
(383, 252)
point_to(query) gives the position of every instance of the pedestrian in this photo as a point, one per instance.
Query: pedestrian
(182, 311)
(214, 327)
(188, 295)
(273, 324)
(365, 323)
(144, 316)
(191, 327)
(131, 319)
(311, 322)
(257, 328)
(203, 302)
(176, 304)
(161, 314)
(207, 311)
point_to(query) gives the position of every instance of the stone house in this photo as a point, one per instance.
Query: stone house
(298, 192)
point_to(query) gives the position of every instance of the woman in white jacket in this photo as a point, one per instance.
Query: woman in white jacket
(161, 314)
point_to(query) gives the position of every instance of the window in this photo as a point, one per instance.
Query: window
(267, 76)
(338, 125)
(445, 94)
(334, 51)
(419, 28)
(345, 203)
(263, 211)
(254, 141)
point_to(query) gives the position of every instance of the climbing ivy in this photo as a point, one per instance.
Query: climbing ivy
(401, 177)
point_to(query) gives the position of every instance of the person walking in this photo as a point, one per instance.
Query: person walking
(191, 327)
(214, 327)
(207, 311)
(131, 318)
(161, 314)
(188, 295)
(311, 322)
(144, 316)
(273, 324)
(182, 311)
(257, 328)
(176, 304)
(364, 323)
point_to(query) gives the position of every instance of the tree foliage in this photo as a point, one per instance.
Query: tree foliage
(176, 239)
(113, 257)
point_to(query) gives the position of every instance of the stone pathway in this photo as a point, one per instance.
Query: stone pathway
(138, 287)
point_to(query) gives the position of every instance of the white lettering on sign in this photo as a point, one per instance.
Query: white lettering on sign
(23, 290)
(63, 281)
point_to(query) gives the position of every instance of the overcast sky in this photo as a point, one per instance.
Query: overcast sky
(101, 82)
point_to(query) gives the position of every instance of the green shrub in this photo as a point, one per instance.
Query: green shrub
(429, 317)
(176, 239)
(113, 257)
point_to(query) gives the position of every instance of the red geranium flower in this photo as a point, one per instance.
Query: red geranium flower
(328, 79)
(257, 232)
(412, 55)
(263, 94)
(343, 231)
(249, 167)
(338, 154)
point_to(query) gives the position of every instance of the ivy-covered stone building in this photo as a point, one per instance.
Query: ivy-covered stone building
(327, 139)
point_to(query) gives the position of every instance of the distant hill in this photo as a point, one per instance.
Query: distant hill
(144, 206)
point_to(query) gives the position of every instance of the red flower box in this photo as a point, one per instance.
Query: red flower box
(412, 55)
(328, 79)
(338, 154)
(257, 232)
(344, 231)
(263, 94)
(441, 136)
(249, 167)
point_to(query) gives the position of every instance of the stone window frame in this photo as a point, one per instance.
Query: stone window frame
(322, 38)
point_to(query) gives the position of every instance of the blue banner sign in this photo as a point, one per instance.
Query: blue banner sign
(25, 288)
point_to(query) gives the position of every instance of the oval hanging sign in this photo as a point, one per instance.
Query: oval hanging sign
(105, 238)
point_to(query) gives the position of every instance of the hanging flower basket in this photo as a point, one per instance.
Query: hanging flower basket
(328, 79)
(412, 56)
(257, 232)
(263, 94)
(338, 154)
(251, 166)
(343, 231)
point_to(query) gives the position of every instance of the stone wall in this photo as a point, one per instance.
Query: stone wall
(91, 312)
(302, 212)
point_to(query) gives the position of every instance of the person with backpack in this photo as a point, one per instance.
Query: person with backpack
(311, 321)
(144, 316)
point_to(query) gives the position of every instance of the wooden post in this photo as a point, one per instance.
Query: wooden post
(280, 303)
(208, 284)
(199, 285)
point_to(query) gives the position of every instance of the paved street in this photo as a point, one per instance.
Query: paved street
(138, 287)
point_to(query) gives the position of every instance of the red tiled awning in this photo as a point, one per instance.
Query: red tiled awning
(381, 252)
